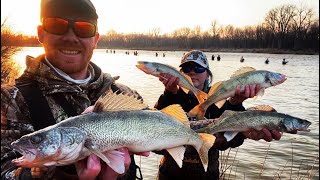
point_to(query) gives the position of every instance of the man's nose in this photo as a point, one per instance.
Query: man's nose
(70, 35)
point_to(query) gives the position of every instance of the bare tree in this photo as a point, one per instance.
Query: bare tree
(301, 24)
(9, 68)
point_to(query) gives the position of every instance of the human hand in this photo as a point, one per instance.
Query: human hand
(249, 92)
(264, 133)
(170, 82)
(92, 167)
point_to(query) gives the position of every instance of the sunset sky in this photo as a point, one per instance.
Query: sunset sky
(141, 16)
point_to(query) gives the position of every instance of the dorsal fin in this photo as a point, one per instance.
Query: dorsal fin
(242, 70)
(177, 112)
(226, 113)
(266, 108)
(118, 102)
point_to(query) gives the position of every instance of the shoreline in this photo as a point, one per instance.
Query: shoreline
(254, 50)
(231, 50)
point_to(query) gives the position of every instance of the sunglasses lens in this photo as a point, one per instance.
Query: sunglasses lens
(60, 26)
(55, 25)
(186, 69)
(196, 69)
(199, 69)
(84, 29)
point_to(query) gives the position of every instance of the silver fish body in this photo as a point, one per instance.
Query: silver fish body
(231, 121)
(155, 69)
(264, 78)
(227, 88)
(74, 138)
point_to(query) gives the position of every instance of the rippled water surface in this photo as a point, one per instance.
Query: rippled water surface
(295, 156)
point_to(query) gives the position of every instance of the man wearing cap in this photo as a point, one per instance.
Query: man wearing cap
(61, 83)
(195, 64)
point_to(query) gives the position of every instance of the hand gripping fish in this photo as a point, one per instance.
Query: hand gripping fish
(185, 81)
(118, 120)
(222, 90)
(232, 122)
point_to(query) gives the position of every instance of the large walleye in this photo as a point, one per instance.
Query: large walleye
(116, 121)
(185, 81)
(222, 90)
(232, 122)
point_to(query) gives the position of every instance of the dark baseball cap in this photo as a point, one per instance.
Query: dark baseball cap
(60, 8)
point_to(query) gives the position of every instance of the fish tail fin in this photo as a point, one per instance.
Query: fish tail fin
(214, 87)
(177, 112)
(197, 112)
(201, 96)
(208, 141)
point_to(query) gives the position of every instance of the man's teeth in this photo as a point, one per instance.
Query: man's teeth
(69, 52)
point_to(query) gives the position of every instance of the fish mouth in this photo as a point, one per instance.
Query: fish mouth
(27, 157)
(143, 68)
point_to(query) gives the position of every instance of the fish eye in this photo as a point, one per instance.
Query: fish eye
(35, 139)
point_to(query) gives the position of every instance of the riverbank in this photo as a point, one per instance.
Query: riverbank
(230, 50)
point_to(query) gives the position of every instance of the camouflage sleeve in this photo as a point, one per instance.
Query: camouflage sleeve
(15, 122)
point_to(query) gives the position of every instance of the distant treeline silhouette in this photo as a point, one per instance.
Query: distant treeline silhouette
(286, 27)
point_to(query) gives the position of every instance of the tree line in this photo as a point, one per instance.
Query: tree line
(286, 27)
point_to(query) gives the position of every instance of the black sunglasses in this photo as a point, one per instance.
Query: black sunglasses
(196, 68)
(59, 26)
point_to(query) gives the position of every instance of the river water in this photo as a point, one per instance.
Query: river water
(294, 156)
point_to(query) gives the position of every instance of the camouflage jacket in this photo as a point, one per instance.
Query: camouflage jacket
(15, 114)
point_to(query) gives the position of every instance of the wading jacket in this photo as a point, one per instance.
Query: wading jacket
(192, 167)
(16, 114)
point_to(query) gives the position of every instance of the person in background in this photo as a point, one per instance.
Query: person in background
(195, 64)
(60, 83)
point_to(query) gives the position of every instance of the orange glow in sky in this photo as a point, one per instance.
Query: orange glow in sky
(141, 16)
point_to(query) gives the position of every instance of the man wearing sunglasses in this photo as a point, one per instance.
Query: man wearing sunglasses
(195, 64)
(56, 85)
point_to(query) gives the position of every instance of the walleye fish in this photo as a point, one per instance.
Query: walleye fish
(185, 81)
(117, 120)
(222, 90)
(232, 122)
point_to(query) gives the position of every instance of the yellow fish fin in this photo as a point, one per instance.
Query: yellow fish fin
(214, 87)
(242, 70)
(262, 108)
(197, 112)
(118, 102)
(219, 104)
(177, 153)
(201, 97)
(177, 112)
(208, 141)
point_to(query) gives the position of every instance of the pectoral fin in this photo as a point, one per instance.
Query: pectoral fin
(88, 144)
(114, 159)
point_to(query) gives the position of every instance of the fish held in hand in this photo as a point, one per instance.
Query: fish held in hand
(117, 121)
(185, 81)
(232, 122)
(222, 90)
